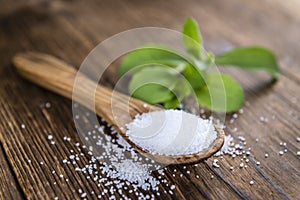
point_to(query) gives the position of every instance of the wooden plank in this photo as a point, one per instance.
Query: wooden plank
(31, 32)
(9, 188)
(278, 105)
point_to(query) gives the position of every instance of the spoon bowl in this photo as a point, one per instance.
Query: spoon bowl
(59, 77)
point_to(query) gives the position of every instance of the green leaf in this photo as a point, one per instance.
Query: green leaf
(256, 58)
(181, 89)
(150, 55)
(194, 76)
(153, 84)
(172, 104)
(192, 37)
(221, 93)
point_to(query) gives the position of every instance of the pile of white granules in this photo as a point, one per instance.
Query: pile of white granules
(171, 132)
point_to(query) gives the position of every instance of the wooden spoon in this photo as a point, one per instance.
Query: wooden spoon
(57, 76)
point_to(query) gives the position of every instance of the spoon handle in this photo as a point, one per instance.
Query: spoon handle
(59, 77)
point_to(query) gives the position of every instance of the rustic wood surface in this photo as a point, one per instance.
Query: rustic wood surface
(70, 30)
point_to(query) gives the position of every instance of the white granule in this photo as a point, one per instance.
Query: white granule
(266, 155)
(171, 132)
(50, 137)
(215, 163)
(48, 105)
(226, 146)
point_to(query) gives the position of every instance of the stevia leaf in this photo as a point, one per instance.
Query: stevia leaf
(153, 84)
(221, 93)
(150, 55)
(181, 89)
(192, 37)
(256, 58)
(194, 76)
(171, 104)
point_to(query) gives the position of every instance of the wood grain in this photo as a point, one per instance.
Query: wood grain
(9, 187)
(70, 29)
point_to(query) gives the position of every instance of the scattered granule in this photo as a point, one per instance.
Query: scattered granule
(251, 182)
(284, 144)
(266, 155)
(29, 161)
(281, 153)
(48, 105)
(235, 115)
(23, 126)
(298, 153)
(263, 119)
(50, 137)
(228, 141)
(215, 163)
(231, 121)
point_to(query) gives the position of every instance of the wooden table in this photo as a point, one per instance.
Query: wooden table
(70, 30)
